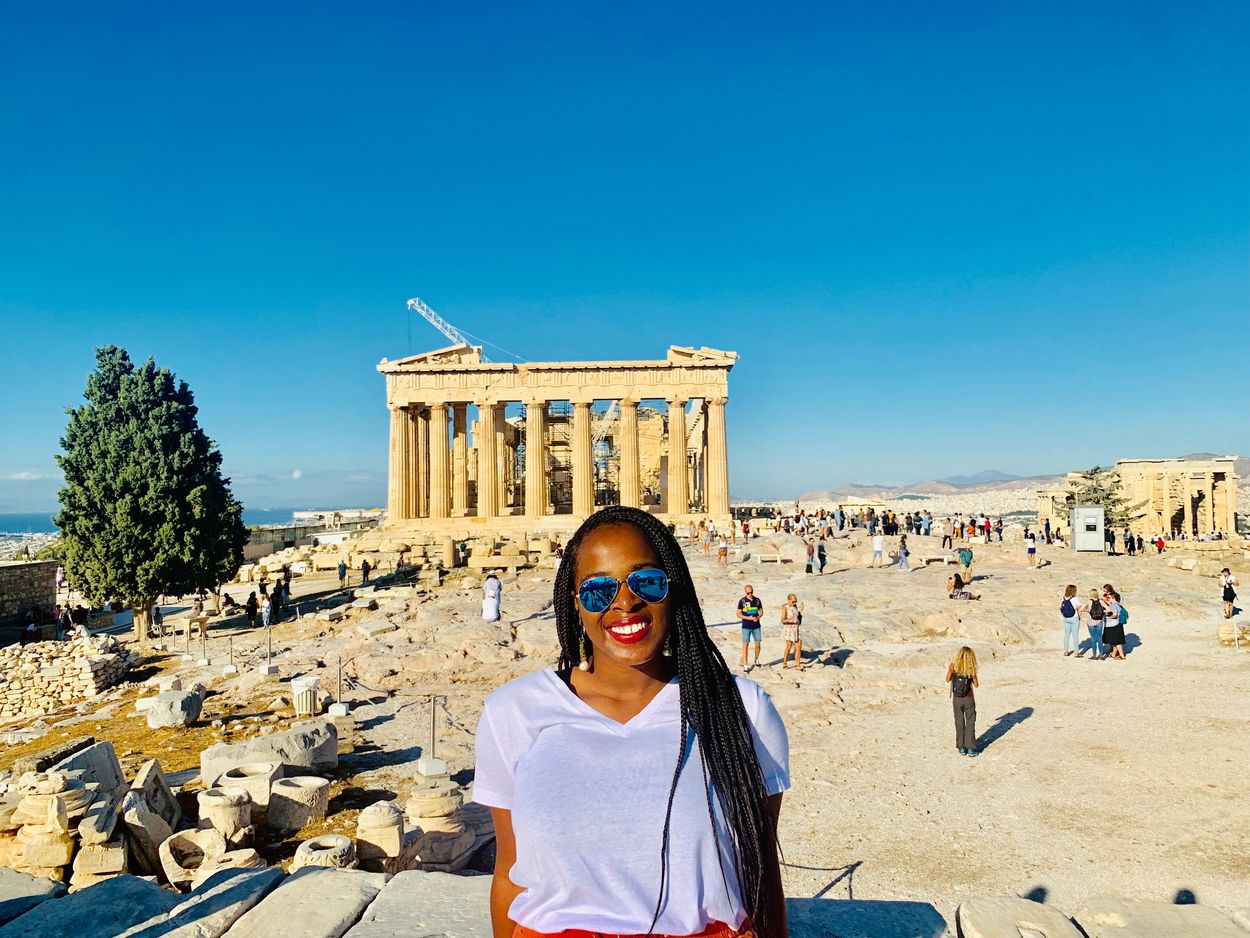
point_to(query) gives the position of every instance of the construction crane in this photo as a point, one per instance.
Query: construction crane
(439, 323)
(604, 424)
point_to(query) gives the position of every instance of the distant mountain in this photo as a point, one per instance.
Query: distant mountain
(985, 475)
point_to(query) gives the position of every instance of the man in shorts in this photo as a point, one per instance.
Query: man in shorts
(878, 549)
(750, 612)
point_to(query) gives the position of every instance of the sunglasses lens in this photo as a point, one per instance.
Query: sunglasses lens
(597, 593)
(651, 586)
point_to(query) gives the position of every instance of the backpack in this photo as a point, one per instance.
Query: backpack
(1123, 620)
(961, 685)
(1066, 609)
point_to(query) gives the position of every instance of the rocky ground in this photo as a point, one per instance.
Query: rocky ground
(1097, 778)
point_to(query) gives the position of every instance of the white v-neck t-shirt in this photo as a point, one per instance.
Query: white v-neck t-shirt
(588, 797)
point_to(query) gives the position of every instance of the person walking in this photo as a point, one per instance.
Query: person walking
(878, 549)
(251, 607)
(365, 569)
(811, 556)
(342, 574)
(266, 609)
(492, 591)
(998, 529)
(722, 551)
(1092, 608)
(822, 557)
(965, 563)
(791, 619)
(1228, 591)
(750, 612)
(961, 675)
(1071, 620)
(903, 553)
(1115, 618)
(947, 530)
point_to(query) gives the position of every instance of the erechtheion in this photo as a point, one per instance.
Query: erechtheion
(1165, 496)
(649, 434)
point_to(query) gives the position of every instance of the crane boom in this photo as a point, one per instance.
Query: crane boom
(604, 423)
(439, 323)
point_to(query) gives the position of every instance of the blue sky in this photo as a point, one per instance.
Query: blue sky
(943, 237)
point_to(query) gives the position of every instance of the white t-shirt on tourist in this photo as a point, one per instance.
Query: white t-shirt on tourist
(878, 542)
(588, 797)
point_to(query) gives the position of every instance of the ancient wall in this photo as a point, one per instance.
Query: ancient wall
(26, 584)
(46, 676)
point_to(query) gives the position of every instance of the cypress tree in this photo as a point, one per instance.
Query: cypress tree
(144, 509)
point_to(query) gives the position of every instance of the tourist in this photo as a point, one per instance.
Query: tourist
(1092, 609)
(81, 630)
(554, 746)
(746, 530)
(947, 530)
(750, 612)
(1046, 532)
(492, 591)
(965, 563)
(1228, 591)
(985, 526)
(705, 539)
(266, 610)
(275, 604)
(342, 568)
(1114, 619)
(30, 634)
(1129, 545)
(955, 588)
(722, 551)
(252, 607)
(810, 550)
(791, 619)
(1108, 538)
(998, 529)
(927, 524)
(1071, 620)
(1159, 544)
(961, 675)
(264, 584)
(1030, 545)
(822, 557)
(1140, 552)
(878, 549)
(365, 569)
(903, 553)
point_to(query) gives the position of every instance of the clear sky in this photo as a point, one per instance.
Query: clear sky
(943, 237)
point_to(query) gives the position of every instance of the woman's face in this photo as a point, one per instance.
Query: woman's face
(617, 550)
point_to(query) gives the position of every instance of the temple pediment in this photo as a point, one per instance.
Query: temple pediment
(460, 354)
(680, 353)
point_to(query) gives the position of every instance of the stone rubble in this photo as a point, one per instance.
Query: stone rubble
(42, 677)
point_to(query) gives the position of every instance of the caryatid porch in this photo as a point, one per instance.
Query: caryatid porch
(553, 466)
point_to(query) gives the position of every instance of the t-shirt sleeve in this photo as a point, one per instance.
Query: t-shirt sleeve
(495, 772)
(772, 743)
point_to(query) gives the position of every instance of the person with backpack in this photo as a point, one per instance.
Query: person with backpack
(1115, 619)
(791, 619)
(1071, 620)
(903, 553)
(961, 675)
(1092, 608)
(342, 571)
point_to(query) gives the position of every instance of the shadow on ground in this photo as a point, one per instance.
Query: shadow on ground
(863, 918)
(1003, 725)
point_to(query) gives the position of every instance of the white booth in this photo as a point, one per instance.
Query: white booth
(1087, 527)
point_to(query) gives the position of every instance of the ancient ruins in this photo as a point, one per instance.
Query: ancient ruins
(1195, 497)
(463, 458)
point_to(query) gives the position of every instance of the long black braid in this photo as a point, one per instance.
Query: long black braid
(710, 706)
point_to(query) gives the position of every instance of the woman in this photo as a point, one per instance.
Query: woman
(1071, 620)
(492, 590)
(266, 610)
(1228, 591)
(1092, 608)
(252, 607)
(1113, 627)
(961, 675)
(791, 619)
(596, 830)
(955, 588)
(903, 553)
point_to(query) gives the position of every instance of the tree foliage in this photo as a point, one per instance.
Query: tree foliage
(1099, 486)
(144, 509)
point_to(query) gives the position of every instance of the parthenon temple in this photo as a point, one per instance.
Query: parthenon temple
(538, 446)
(1166, 496)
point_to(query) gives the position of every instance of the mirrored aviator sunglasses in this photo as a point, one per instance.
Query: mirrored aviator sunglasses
(596, 593)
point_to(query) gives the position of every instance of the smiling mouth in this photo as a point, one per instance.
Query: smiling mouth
(630, 629)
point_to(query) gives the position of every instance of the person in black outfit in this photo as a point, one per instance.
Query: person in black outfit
(251, 607)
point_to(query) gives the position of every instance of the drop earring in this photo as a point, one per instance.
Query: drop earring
(668, 645)
(584, 653)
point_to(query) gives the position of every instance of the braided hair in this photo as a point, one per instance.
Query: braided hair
(711, 706)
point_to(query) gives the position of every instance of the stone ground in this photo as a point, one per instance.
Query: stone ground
(1097, 778)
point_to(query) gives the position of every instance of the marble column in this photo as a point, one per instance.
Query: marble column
(1209, 482)
(583, 462)
(500, 429)
(488, 462)
(678, 493)
(535, 459)
(395, 468)
(423, 432)
(717, 459)
(440, 491)
(629, 482)
(460, 460)
(420, 440)
(406, 478)
(1187, 493)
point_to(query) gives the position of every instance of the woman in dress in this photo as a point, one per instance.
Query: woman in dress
(1113, 628)
(635, 788)
(1228, 591)
(791, 619)
(492, 590)
(956, 588)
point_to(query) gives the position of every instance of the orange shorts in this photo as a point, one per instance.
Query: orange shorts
(715, 930)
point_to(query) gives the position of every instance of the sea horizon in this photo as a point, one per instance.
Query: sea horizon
(40, 522)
